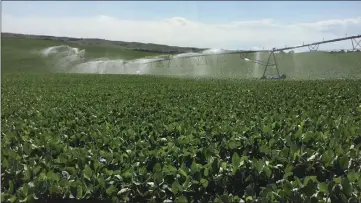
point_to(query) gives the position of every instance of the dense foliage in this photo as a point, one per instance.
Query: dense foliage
(139, 138)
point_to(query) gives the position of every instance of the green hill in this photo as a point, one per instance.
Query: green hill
(23, 53)
(135, 46)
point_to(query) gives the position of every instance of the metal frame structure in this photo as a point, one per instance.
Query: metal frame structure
(356, 45)
(313, 47)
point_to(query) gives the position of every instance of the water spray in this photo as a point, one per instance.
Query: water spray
(72, 60)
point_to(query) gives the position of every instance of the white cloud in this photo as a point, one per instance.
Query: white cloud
(182, 32)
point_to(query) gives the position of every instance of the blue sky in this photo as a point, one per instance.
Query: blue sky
(205, 11)
(293, 16)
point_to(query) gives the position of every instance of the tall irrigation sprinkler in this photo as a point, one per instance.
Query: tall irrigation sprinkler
(271, 62)
(356, 46)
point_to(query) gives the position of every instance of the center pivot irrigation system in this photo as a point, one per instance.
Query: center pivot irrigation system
(356, 45)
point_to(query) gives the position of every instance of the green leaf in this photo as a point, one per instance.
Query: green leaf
(289, 168)
(206, 172)
(344, 160)
(25, 190)
(235, 160)
(101, 182)
(194, 167)
(79, 192)
(28, 174)
(24, 200)
(352, 176)
(158, 177)
(233, 144)
(267, 171)
(11, 187)
(204, 182)
(111, 189)
(184, 174)
(297, 183)
(172, 169)
(54, 189)
(187, 183)
(122, 191)
(127, 174)
(157, 167)
(12, 199)
(287, 187)
(176, 187)
(217, 200)
(225, 198)
(70, 170)
(328, 157)
(224, 165)
(309, 178)
(337, 180)
(53, 176)
(286, 175)
(87, 172)
(346, 187)
(181, 199)
(323, 187)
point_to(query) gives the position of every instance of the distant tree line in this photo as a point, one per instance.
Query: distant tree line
(343, 51)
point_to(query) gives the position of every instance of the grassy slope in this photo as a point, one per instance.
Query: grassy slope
(23, 54)
(148, 47)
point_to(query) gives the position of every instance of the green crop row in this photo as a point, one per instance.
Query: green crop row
(153, 139)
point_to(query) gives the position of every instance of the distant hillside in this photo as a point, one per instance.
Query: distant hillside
(135, 46)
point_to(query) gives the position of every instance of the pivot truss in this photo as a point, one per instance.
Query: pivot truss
(313, 47)
(272, 62)
(356, 44)
(201, 59)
